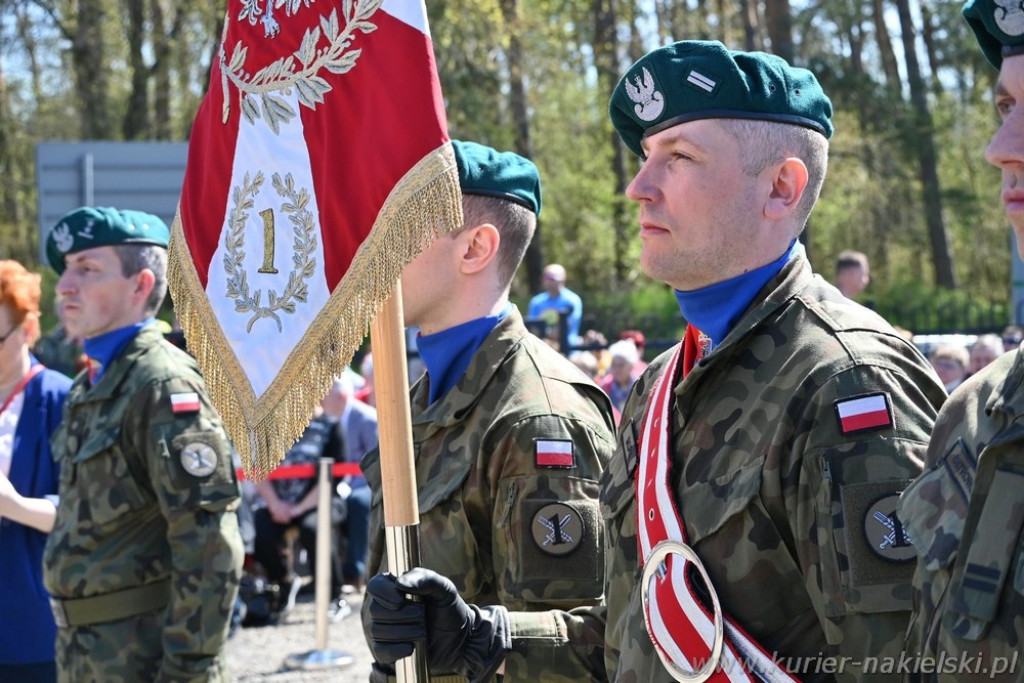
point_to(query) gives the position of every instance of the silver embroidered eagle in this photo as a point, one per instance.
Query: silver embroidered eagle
(649, 102)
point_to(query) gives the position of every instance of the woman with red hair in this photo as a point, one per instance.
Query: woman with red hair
(31, 398)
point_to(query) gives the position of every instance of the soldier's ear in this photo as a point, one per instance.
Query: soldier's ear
(788, 184)
(144, 283)
(480, 248)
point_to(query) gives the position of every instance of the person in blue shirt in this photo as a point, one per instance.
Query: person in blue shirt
(31, 397)
(555, 300)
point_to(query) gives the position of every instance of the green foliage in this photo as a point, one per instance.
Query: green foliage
(48, 313)
(922, 310)
(871, 200)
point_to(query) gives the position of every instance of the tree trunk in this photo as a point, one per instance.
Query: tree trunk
(9, 212)
(885, 51)
(923, 140)
(928, 33)
(779, 22)
(636, 41)
(606, 62)
(26, 33)
(92, 73)
(163, 40)
(748, 15)
(510, 12)
(725, 32)
(136, 117)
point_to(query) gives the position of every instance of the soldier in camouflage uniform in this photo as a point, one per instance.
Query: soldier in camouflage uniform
(510, 437)
(144, 560)
(965, 513)
(797, 418)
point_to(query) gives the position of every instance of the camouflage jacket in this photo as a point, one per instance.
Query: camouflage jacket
(148, 492)
(776, 492)
(965, 515)
(508, 464)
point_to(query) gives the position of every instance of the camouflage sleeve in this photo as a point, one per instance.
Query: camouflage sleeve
(859, 440)
(557, 646)
(965, 514)
(547, 545)
(189, 466)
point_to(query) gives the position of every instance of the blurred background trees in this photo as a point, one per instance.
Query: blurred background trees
(908, 184)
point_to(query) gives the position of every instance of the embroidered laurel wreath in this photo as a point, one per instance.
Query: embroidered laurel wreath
(281, 75)
(302, 258)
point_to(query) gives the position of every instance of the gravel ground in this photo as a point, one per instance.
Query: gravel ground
(259, 653)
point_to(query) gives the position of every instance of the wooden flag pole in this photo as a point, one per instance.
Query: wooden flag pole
(397, 466)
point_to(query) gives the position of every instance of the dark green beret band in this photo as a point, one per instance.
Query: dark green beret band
(696, 79)
(486, 171)
(102, 226)
(998, 27)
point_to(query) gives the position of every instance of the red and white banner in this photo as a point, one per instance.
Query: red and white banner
(690, 643)
(319, 165)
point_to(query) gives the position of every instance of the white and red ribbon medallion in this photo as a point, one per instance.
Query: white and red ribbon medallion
(695, 641)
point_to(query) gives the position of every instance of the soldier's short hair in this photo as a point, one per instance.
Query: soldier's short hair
(777, 141)
(515, 223)
(138, 257)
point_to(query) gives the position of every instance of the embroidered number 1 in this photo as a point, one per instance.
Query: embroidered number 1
(268, 241)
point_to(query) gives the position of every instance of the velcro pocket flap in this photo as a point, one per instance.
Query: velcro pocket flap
(722, 498)
(99, 440)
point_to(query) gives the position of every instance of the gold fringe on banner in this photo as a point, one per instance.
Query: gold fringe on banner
(424, 204)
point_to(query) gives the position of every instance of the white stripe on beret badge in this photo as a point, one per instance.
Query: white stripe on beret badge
(701, 81)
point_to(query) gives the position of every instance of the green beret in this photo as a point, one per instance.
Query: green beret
(697, 79)
(88, 227)
(998, 26)
(484, 170)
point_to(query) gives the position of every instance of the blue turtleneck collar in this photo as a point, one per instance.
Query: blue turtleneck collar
(106, 347)
(715, 309)
(447, 353)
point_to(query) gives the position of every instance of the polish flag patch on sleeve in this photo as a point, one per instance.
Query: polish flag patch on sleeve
(554, 453)
(187, 402)
(864, 413)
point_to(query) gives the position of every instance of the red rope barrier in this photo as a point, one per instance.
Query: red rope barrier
(338, 469)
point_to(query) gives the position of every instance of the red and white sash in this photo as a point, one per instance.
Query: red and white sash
(692, 643)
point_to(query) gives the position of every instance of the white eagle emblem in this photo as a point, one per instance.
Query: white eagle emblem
(1011, 19)
(62, 238)
(649, 102)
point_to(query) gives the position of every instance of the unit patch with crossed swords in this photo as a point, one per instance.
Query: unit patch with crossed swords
(199, 459)
(885, 535)
(557, 529)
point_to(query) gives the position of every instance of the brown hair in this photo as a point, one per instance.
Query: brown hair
(20, 292)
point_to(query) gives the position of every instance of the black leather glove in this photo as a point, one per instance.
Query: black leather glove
(459, 637)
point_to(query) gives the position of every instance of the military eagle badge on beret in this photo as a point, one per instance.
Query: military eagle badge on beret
(62, 238)
(649, 102)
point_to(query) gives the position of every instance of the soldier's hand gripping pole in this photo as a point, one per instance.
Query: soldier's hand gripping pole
(397, 467)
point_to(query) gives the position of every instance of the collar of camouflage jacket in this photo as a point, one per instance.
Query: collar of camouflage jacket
(1009, 398)
(118, 369)
(790, 282)
(453, 407)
